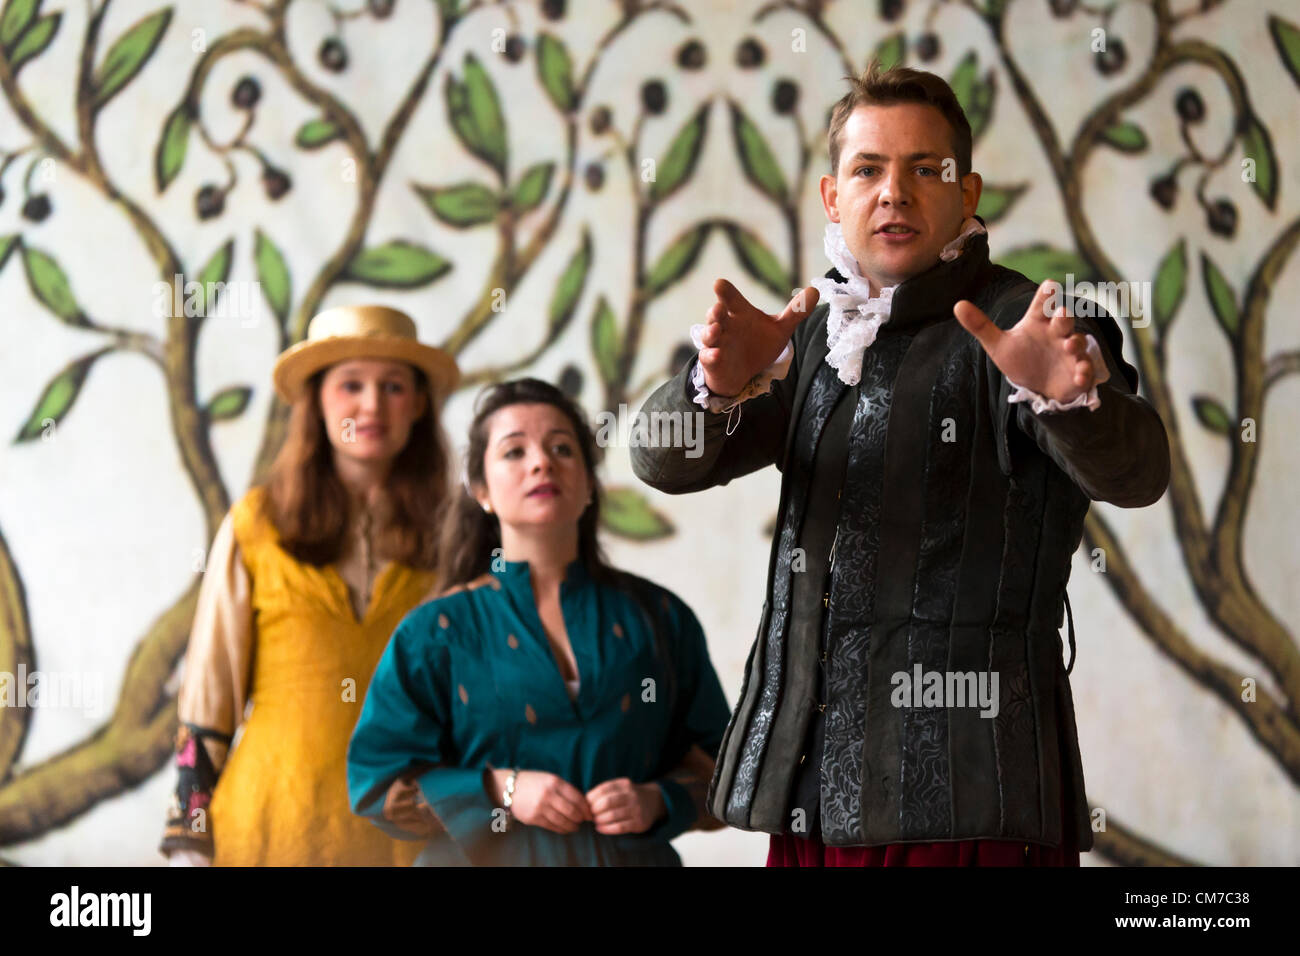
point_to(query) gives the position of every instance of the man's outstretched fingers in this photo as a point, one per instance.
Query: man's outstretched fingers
(1038, 306)
(730, 296)
(974, 321)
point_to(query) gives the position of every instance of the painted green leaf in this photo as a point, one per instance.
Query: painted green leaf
(676, 260)
(605, 345)
(127, 56)
(35, 40)
(49, 284)
(890, 51)
(228, 403)
(1222, 299)
(170, 155)
(1258, 146)
(315, 133)
(450, 10)
(216, 271)
(568, 289)
(1170, 284)
(759, 261)
(462, 205)
(684, 152)
(272, 276)
(974, 94)
(626, 513)
(996, 201)
(1286, 37)
(756, 157)
(1040, 261)
(399, 264)
(555, 69)
(1211, 414)
(15, 19)
(475, 115)
(1126, 137)
(7, 245)
(532, 187)
(56, 401)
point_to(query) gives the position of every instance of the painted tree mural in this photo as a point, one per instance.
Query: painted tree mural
(633, 159)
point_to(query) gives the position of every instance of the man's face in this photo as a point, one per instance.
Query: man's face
(892, 171)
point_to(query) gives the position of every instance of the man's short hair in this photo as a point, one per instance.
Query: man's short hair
(900, 84)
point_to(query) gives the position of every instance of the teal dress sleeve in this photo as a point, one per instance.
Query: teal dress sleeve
(699, 719)
(404, 727)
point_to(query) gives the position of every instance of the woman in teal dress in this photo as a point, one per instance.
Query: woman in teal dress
(547, 709)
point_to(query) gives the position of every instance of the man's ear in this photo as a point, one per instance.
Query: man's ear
(972, 184)
(830, 198)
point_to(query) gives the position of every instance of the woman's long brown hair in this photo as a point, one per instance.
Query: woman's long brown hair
(470, 534)
(309, 505)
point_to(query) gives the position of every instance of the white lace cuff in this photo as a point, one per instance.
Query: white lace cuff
(1090, 398)
(760, 384)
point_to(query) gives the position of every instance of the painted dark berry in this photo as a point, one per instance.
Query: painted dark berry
(1222, 218)
(276, 182)
(247, 92)
(553, 9)
(515, 48)
(37, 207)
(784, 96)
(601, 120)
(570, 382)
(750, 54)
(1165, 191)
(654, 97)
(927, 46)
(684, 352)
(333, 55)
(691, 56)
(210, 201)
(891, 9)
(1190, 106)
(1062, 8)
(595, 176)
(1112, 59)
(381, 8)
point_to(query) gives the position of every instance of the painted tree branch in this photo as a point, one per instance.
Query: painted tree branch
(15, 654)
(1266, 717)
(1121, 845)
(1228, 598)
(130, 748)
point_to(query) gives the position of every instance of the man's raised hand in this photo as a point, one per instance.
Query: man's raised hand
(740, 340)
(1041, 352)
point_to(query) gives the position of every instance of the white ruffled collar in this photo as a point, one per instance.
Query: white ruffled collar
(855, 315)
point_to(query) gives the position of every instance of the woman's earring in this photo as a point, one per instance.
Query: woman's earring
(487, 508)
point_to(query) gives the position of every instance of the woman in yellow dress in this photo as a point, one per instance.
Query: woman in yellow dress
(307, 578)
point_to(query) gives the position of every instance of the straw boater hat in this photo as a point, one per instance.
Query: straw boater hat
(362, 332)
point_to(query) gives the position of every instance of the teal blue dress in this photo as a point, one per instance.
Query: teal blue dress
(470, 680)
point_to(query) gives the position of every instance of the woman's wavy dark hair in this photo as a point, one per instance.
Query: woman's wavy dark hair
(470, 534)
(309, 505)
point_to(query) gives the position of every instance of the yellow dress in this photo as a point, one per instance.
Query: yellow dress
(282, 798)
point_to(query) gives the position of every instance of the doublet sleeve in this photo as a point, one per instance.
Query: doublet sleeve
(214, 691)
(1118, 452)
(727, 449)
